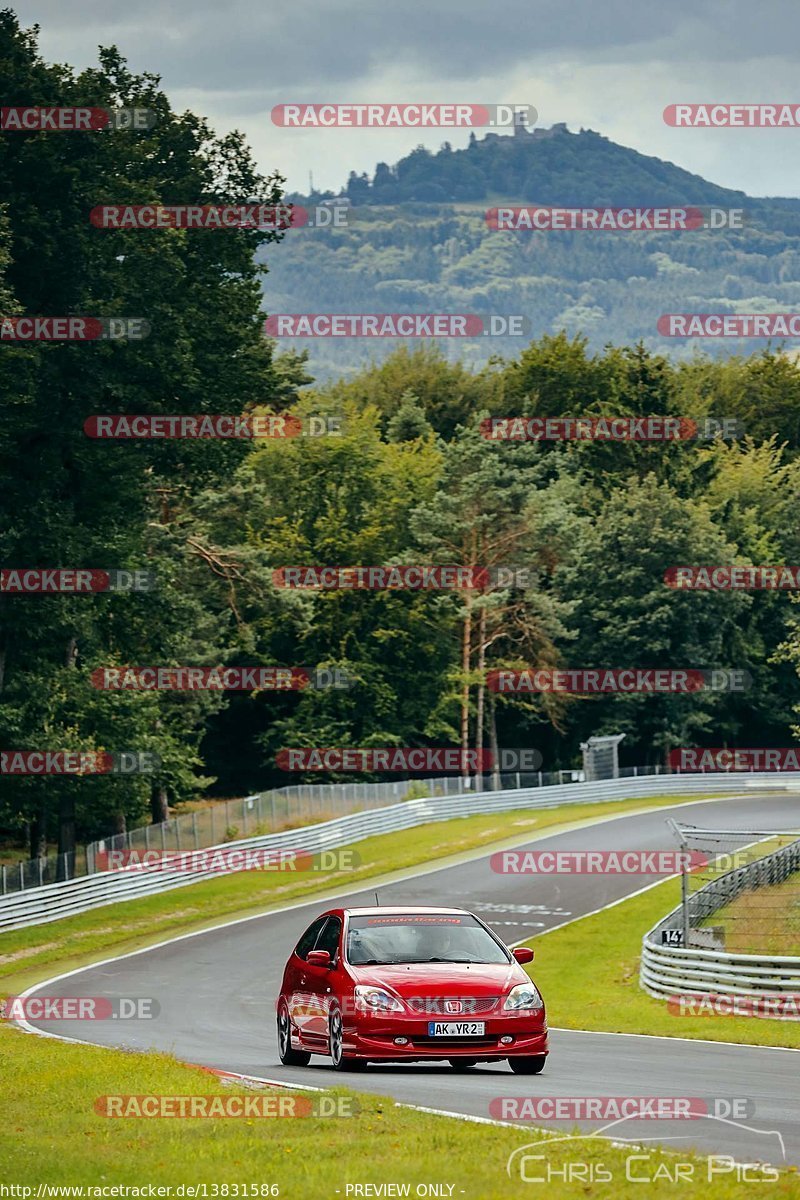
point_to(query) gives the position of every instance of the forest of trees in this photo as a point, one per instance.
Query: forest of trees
(561, 168)
(409, 478)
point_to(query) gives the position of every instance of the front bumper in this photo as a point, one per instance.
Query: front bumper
(377, 1039)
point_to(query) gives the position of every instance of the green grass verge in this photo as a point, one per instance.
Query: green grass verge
(589, 975)
(53, 1135)
(117, 928)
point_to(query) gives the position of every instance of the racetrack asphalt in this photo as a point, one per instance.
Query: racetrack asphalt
(216, 992)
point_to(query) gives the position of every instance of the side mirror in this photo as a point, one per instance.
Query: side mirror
(318, 958)
(523, 954)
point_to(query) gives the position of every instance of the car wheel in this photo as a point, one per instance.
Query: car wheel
(528, 1065)
(341, 1061)
(288, 1056)
(461, 1064)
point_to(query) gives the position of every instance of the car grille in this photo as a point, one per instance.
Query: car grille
(434, 1006)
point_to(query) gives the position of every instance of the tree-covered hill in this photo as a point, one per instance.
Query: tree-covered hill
(417, 240)
(550, 166)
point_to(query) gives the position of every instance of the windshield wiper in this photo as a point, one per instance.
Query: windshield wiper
(474, 961)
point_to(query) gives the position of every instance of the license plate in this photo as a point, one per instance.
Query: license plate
(456, 1028)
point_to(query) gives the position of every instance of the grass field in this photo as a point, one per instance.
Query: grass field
(52, 1134)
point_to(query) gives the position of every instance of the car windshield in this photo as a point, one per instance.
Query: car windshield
(420, 938)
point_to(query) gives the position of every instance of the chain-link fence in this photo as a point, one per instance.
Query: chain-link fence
(740, 890)
(270, 812)
(54, 868)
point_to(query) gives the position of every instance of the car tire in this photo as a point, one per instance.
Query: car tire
(462, 1064)
(341, 1062)
(288, 1056)
(528, 1065)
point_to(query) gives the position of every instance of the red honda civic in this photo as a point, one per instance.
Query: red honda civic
(381, 985)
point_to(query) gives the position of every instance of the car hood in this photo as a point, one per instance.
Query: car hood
(442, 979)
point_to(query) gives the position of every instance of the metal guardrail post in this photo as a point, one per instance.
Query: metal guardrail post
(685, 904)
(21, 877)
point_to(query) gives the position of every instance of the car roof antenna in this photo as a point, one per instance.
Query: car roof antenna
(377, 901)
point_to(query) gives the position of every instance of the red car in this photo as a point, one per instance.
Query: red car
(381, 985)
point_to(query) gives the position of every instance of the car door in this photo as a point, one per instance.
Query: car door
(320, 982)
(298, 997)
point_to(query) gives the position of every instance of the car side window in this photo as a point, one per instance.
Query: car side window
(309, 938)
(329, 938)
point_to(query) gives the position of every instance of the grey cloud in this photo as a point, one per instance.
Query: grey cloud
(304, 48)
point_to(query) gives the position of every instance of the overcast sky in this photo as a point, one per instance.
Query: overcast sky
(609, 66)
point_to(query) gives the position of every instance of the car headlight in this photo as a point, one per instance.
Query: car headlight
(375, 1000)
(524, 995)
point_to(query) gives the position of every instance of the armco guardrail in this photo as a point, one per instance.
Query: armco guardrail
(267, 812)
(53, 901)
(690, 971)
